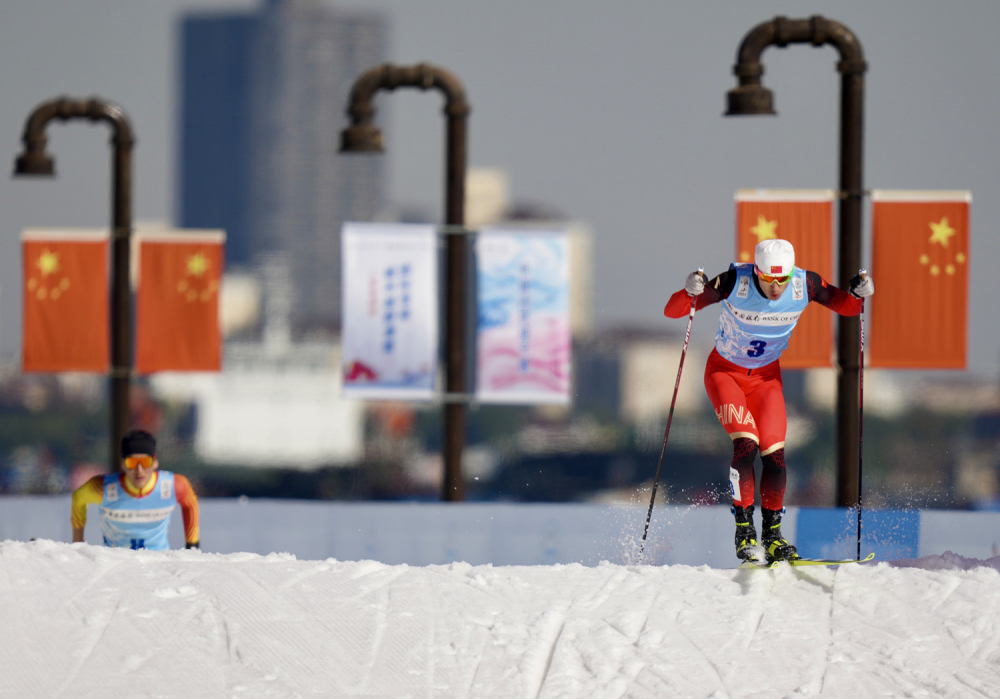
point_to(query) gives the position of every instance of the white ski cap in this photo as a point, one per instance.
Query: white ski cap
(774, 256)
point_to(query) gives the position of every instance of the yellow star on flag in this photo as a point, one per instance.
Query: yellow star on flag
(197, 264)
(764, 230)
(48, 262)
(941, 232)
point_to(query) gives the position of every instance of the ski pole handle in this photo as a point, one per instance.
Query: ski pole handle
(700, 273)
(861, 281)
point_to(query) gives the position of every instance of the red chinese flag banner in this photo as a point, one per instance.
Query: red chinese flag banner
(66, 303)
(177, 302)
(803, 217)
(920, 266)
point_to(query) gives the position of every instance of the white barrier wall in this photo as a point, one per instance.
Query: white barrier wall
(517, 534)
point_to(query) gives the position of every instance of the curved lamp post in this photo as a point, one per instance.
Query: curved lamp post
(750, 97)
(34, 161)
(362, 136)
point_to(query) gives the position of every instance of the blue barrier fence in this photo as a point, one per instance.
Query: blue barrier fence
(526, 534)
(833, 532)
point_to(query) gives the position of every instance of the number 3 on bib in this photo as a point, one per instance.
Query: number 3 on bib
(757, 348)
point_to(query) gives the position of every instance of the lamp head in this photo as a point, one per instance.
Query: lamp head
(747, 100)
(361, 138)
(34, 162)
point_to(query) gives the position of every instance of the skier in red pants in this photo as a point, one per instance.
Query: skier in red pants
(762, 302)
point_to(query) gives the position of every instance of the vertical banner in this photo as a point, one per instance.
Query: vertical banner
(390, 310)
(524, 342)
(177, 302)
(66, 301)
(803, 217)
(920, 263)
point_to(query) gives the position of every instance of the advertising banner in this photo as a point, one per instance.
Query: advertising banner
(390, 310)
(524, 342)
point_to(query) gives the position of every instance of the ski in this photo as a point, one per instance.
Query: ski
(827, 562)
(795, 562)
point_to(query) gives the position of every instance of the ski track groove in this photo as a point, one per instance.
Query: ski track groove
(987, 646)
(611, 583)
(180, 631)
(635, 645)
(974, 655)
(956, 583)
(484, 641)
(431, 631)
(304, 575)
(475, 670)
(645, 620)
(829, 636)
(232, 642)
(95, 580)
(762, 605)
(14, 607)
(90, 651)
(6, 569)
(265, 628)
(396, 574)
(257, 583)
(955, 641)
(492, 596)
(381, 616)
(230, 631)
(723, 685)
(551, 653)
(962, 682)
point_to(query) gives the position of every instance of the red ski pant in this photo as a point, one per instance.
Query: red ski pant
(748, 402)
(751, 407)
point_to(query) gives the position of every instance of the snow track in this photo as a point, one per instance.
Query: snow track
(83, 621)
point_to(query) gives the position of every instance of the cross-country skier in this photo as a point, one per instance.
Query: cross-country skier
(743, 377)
(136, 505)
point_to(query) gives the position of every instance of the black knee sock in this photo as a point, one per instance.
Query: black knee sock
(772, 480)
(741, 478)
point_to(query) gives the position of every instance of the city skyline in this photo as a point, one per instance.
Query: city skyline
(257, 156)
(610, 115)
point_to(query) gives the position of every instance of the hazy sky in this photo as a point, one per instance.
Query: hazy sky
(610, 112)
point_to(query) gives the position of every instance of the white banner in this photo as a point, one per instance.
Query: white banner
(390, 310)
(524, 341)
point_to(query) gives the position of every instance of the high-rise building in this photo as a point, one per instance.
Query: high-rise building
(263, 98)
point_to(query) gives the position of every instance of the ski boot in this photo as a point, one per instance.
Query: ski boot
(776, 548)
(747, 547)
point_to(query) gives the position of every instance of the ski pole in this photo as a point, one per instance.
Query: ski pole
(861, 409)
(670, 417)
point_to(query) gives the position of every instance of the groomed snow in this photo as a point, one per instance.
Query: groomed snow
(84, 621)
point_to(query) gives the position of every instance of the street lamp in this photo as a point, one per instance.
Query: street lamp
(362, 136)
(749, 98)
(34, 161)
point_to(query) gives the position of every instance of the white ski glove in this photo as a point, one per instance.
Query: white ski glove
(695, 283)
(862, 287)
